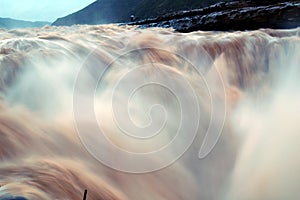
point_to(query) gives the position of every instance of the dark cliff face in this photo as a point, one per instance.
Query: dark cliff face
(239, 15)
(116, 11)
(150, 8)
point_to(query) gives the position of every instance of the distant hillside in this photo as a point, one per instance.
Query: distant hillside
(100, 12)
(9, 23)
(114, 11)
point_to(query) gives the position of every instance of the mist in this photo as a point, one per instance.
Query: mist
(149, 114)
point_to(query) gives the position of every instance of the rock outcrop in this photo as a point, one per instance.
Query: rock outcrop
(239, 15)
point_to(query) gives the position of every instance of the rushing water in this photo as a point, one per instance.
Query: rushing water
(247, 82)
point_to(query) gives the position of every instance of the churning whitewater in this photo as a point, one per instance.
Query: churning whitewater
(226, 104)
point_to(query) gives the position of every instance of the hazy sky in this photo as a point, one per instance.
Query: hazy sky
(40, 10)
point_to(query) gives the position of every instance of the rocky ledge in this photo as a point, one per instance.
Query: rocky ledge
(239, 15)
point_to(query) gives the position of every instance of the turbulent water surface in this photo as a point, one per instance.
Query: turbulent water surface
(45, 154)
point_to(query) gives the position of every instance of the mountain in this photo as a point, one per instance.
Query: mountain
(191, 15)
(116, 11)
(9, 23)
(100, 12)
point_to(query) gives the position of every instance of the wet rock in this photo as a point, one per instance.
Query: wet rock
(230, 16)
